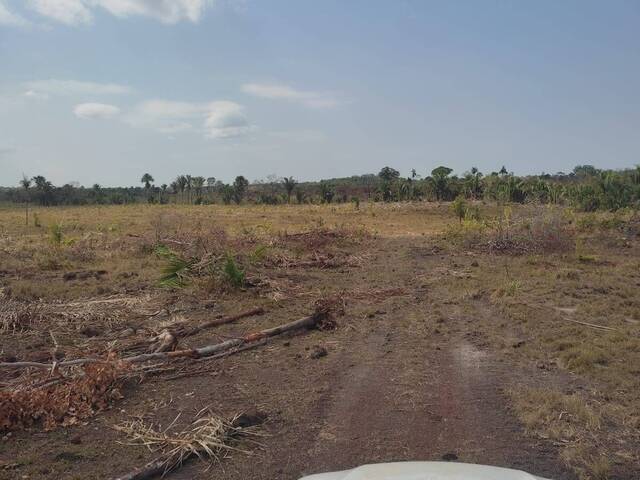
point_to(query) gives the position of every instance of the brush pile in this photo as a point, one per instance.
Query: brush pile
(64, 402)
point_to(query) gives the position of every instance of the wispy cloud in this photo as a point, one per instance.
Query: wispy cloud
(11, 19)
(43, 88)
(101, 111)
(81, 12)
(219, 119)
(69, 12)
(274, 91)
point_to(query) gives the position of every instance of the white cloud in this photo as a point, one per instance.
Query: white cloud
(166, 11)
(69, 12)
(96, 111)
(36, 95)
(10, 19)
(284, 92)
(79, 12)
(224, 120)
(42, 88)
(221, 119)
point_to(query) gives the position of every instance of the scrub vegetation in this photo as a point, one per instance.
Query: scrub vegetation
(529, 310)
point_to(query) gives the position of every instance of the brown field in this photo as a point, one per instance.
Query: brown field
(513, 340)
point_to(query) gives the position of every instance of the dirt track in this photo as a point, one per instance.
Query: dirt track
(399, 383)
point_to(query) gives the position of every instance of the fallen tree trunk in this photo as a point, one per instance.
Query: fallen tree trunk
(158, 346)
(222, 321)
(206, 351)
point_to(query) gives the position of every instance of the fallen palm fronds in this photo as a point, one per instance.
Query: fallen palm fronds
(63, 403)
(321, 318)
(208, 436)
(16, 316)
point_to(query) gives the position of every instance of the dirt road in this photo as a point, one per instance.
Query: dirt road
(400, 381)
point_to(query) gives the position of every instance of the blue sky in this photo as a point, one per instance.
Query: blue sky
(105, 90)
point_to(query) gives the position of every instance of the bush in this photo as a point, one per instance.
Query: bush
(55, 233)
(233, 274)
(541, 231)
(459, 207)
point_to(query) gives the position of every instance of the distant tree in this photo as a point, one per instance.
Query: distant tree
(503, 171)
(585, 171)
(198, 186)
(240, 185)
(44, 190)
(227, 192)
(388, 176)
(440, 180)
(473, 183)
(188, 186)
(96, 193)
(370, 182)
(211, 185)
(147, 179)
(289, 184)
(181, 182)
(25, 183)
(326, 192)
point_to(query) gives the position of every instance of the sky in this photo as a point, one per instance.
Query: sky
(102, 91)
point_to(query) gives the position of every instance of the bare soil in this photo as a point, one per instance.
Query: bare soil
(405, 377)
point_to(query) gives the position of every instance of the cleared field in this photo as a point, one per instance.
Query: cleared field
(511, 340)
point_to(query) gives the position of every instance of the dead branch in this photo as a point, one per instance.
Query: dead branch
(206, 351)
(168, 339)
(223, 320)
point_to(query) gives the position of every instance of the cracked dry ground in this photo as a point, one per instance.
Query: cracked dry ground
(406, 377)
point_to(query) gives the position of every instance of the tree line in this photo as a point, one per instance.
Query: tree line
(585, 188)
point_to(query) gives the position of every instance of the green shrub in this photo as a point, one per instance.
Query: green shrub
(459, 207)
(232, 273)
(55, 233)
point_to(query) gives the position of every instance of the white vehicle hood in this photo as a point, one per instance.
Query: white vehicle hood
(425, 471)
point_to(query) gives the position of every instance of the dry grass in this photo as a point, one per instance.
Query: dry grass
(571, 423)
(524, 273)
(208, 437)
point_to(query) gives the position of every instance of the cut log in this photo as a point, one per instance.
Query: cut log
(180, 332)
(222, 321)
(206, 351)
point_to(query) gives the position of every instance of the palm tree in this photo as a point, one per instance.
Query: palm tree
(198, 186)
(289, 184)
(44, 190)
(147, 179)
(189, 186)
(211, 183)
(26, 183)
(473, 183)
(181, 183)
